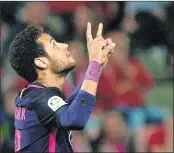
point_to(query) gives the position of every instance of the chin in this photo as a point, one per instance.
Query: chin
(72, 62)
(70, 67)
(73, 65)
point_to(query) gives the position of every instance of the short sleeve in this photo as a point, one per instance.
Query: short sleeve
(47, 105)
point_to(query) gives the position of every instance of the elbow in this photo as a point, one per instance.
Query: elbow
(72, 121)
(77, 127)
(80, 123)
(74, 126)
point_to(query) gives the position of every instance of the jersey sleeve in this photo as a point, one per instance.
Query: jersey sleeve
(72, 96)
(47, 105)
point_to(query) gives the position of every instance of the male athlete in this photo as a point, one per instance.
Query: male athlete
(44, 119)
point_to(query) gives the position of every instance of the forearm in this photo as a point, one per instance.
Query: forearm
(90, 87)
(78, 112)
(72, 96)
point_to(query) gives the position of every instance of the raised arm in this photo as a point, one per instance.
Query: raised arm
(76, 115)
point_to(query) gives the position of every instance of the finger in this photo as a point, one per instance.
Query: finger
(110, 49)
(105, 61)
(109, 41)
(111, 52)
(100, 30)
(113, 46)
(100, 38)
(103, 41)
(103, 44)
(88, 32)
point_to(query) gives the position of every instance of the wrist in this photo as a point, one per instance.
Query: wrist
(94, 60)
(95, 64)
(93, 72)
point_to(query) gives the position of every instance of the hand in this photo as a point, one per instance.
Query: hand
(110, 50)
(98, 48)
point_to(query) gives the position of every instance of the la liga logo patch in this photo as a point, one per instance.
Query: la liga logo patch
(56, 102)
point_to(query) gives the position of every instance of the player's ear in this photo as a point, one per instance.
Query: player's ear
(41, 62)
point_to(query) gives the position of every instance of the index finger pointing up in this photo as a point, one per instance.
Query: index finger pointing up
(100, 30)
(88, 32)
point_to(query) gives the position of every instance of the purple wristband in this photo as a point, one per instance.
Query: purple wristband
(93, 71)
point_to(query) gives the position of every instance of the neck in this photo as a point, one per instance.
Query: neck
(52, 80)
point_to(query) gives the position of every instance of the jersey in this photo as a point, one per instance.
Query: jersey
(36, 129)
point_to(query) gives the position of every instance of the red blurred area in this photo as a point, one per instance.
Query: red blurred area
(62, 7)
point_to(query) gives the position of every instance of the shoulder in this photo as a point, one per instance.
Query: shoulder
(44, 93)
(51, 97)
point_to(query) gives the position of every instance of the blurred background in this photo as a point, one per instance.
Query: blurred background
(134, 108)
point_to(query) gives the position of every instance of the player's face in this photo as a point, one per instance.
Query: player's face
(60, 58)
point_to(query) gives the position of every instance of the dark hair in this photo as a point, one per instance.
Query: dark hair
(23, 50)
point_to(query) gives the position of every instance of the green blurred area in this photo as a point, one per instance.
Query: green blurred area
(162, 95)
(4, 131)
(155, 60)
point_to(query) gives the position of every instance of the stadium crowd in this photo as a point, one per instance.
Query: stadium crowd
(133, 111)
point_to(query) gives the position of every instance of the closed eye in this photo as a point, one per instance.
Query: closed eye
(54, 44)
